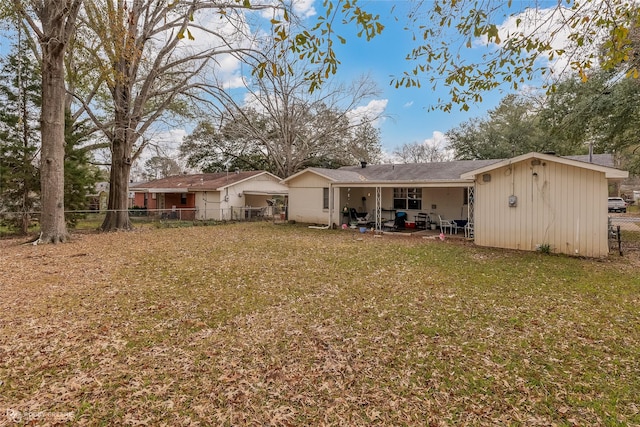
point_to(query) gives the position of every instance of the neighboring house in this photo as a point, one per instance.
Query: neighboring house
(519, 203)
(217, 196)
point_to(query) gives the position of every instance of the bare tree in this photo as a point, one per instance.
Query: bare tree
(53, 23)
(286, 126)
(152, 57)
(420, 152)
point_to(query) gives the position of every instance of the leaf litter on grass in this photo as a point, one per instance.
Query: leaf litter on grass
(257, 324)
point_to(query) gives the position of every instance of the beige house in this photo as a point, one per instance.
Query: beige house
(211, 196)
(537, 199)
(520, 203)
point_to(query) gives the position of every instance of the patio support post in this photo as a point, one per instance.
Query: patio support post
(331, 203)
(470, 205)
(378, 208)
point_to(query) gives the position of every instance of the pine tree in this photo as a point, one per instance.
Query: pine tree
(20, 103)
(79, 176)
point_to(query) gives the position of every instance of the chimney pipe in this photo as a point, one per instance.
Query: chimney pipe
(363, 164)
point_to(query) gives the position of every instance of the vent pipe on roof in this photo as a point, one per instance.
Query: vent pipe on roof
(363, 164)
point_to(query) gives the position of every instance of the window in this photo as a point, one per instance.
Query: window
(183, 198)
(407, 198)
(325, 198)
(399, 198)
(415, 198)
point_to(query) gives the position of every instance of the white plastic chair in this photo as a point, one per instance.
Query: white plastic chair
(468, 230)
(444, 224)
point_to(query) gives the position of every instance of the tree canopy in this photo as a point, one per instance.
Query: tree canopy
(280, 126)
(600, 115)
(520, 44)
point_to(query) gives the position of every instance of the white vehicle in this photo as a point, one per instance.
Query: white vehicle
(617, 204)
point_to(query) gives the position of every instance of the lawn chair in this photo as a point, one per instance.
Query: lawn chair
(444, 224)
(358, 218)
(468, 230)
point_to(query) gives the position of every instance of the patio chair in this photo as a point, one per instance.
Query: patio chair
(468, 230)
(358, 218)
(444, 224)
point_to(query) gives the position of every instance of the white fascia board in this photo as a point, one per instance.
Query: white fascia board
(611, 173)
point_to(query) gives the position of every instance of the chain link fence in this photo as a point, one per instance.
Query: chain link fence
(12, 222)
(624, 234)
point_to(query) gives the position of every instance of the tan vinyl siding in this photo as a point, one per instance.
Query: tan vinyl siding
(306, 197)
(563, 206)
(208, 205)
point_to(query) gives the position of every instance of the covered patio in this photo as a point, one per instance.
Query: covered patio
(356, 204)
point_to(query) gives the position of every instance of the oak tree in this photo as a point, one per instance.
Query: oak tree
(53, 23)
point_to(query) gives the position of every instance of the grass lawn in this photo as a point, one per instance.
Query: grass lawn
(262, 324)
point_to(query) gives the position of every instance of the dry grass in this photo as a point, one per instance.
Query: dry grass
(257, 324)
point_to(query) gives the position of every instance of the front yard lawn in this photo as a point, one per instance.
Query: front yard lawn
(263, 324)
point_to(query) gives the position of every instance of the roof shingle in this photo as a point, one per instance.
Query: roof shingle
(198, 182)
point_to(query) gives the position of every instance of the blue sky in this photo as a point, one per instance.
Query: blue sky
(410, 118)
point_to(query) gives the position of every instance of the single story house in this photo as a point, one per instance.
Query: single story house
(520, 203)
(216, 196)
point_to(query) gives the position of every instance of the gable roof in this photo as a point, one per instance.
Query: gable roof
(597, 159)
(610, 172)
(390, 173)
(198, 182)
(457, 171)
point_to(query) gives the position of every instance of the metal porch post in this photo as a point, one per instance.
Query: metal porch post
(378, 208)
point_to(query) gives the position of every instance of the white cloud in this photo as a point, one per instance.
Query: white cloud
(374, 108)
(304, 8)
(408, 104)
(438, 140)
(549, 25)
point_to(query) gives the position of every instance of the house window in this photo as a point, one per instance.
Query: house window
(414, 198)
(325, 198)
(407, 198)
(399, 198)
(183, 198)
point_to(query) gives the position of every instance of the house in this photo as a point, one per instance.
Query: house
(519, 203)
(216, 196)
(537, 199)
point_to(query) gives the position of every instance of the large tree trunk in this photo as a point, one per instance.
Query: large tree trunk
(52, 223)
(117, 209)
